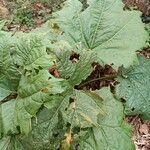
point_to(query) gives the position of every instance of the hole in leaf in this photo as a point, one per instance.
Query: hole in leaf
(77, 146)
(48, 51)
(71, 100)
(132, 108)
(55, 135)
(76, 130)
(112, 86)
(53, 71)
(74, 57)
(49, 78)
(17, 66)
(40, 68)
(67, 78)
(18, 128)
(123, 100)
(12, 51)
(68, 125)
(36, 70)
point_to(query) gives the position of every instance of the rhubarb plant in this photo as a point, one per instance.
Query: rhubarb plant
(40, 106)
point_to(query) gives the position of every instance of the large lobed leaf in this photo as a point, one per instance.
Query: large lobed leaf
(17, 56)
(51, 124)
(105, 28)
(58, 109)
(110, 133)
(134, 88)
(23, 63)
(76, 71)
(95, 117)
(9, 73)
(30, 53)
(33, 91)
(47, 109)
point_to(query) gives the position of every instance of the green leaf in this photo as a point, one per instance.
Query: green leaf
(46, 108)
(111, 133)
(48, 31)
(17, 56)
(33, 91)
(11, 143)
(9, 73)
(8, 118)
(83, 109)
(31, 53)
(105, 28)
(98, 115)
(77, 109)
(48, 129)
(5, 143)
(134, 88)
(76, 71)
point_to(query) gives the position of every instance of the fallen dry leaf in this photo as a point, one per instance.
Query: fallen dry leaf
(144, 129)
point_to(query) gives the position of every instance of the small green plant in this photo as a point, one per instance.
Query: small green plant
(24, 16)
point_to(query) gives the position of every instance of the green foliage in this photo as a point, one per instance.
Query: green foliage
(24, 16)
(9, 74)
(39, 110)
(109, 124)
(104, 28)
(46, 108)
(134, 88)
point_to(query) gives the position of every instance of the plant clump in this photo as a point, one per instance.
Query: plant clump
(69, 84)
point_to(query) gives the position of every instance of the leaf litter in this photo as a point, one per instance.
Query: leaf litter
(141, 130)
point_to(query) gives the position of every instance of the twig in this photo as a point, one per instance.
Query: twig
(98, 79)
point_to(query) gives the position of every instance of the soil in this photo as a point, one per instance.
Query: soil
(100, 77)
(146, 52)
(141, 130)
(142, 5)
